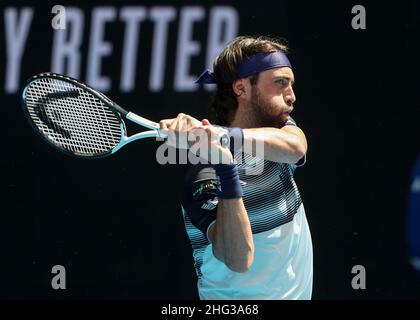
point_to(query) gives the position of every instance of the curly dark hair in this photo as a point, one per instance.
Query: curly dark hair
(224, 102)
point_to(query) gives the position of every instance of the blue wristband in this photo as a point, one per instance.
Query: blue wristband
(229, 186)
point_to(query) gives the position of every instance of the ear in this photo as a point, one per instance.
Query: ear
(241, 87)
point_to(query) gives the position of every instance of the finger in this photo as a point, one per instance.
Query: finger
(191, 121)
(214, 135)
(163, 124)
(186, 124)
(173, 124)
(179, 124)
(205, 122)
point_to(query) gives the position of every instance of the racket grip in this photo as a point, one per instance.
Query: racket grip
(162, 134)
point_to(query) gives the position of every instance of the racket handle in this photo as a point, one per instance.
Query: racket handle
(162, 134)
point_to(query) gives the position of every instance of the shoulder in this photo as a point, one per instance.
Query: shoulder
(199, 200)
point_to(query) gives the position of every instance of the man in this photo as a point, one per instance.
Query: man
(244, 216)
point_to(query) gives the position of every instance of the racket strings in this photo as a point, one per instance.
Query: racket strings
(72, 118)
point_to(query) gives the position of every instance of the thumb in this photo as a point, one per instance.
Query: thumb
(205, 122)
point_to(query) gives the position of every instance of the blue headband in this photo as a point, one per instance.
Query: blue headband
(252, 65)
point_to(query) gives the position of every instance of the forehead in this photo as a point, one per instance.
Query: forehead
(278, 72)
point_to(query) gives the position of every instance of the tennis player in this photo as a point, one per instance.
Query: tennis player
(248, 228)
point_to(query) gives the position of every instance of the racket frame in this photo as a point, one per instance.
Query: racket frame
(117, 110)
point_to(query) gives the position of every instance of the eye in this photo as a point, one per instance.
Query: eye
(282, 82)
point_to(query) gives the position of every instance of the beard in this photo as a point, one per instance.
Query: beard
(263, 113)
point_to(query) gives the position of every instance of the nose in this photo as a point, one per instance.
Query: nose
(290, 97)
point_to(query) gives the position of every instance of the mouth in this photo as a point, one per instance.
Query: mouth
(289, 111)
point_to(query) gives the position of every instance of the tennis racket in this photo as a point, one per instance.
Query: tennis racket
(80, 121)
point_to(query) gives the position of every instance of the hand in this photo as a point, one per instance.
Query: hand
(178, 130)
(209, 147)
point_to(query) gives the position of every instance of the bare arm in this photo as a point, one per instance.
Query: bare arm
(231, 235)
(286, 145)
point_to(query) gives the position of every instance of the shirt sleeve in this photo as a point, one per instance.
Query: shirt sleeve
(199, 198)
(290, 122)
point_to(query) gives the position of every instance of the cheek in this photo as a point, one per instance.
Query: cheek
(277, 101)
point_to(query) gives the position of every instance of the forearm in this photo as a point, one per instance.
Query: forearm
(232, 236)
(278, 145)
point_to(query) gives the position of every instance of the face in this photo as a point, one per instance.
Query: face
(272, 97)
